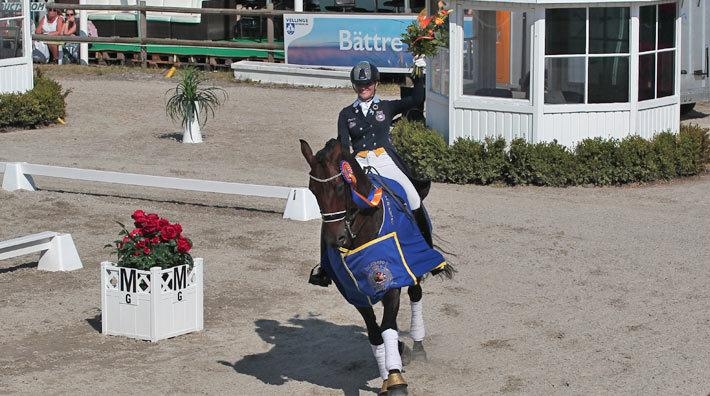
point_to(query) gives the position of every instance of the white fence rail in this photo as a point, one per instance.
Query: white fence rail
(300, 202)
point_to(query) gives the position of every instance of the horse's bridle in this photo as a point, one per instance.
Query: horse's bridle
(341, 215)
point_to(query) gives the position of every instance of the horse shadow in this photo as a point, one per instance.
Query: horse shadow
(311, 350)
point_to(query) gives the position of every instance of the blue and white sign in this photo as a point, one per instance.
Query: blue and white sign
(342, 41)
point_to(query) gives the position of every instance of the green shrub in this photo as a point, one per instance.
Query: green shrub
(665, 147)
(495, 161)
(421, 148)
(597, 161)
(462, 161)
(636, 161)
(42, 105)
(694, 149)
(540, 164)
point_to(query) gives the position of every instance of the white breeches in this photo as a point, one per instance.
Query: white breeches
(387, 168)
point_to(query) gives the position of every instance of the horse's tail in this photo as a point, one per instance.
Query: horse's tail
(447, 271)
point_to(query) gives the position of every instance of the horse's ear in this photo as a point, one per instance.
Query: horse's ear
(307, 151)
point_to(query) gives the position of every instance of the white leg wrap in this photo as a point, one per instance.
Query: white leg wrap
(392, 359)
(379, 352)
(416, 328)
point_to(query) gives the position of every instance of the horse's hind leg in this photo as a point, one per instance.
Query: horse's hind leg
(416, 328)
(396, 385)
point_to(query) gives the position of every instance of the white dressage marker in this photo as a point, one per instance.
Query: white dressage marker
(58, 250)
(301, 204)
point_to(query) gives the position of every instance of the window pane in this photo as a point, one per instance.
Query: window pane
(496, 54)
(565, 31)
(666, 25)
(11, 38)
(564, 80)
(608, 30)
(666, 74)
(647, 76)
(609, 79)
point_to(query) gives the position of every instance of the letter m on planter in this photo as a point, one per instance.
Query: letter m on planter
(151, 305)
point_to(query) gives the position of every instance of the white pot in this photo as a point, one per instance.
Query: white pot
(134, 305)
(192, 132)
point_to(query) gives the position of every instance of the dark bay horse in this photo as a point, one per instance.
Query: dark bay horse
(354, 211)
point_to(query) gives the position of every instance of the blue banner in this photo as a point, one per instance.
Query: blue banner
(342, 41)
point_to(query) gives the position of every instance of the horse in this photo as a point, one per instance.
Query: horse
(353, 208)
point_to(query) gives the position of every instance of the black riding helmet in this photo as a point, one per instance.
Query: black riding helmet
(364, 73)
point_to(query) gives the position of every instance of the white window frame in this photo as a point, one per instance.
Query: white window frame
(586, 57)
(655, 53)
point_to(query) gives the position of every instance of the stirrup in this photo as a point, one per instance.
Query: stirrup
(318, 277)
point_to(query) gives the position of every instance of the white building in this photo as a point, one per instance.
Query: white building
(15, 46)
(548, 70)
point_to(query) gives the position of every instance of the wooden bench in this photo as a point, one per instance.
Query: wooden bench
(58, 250)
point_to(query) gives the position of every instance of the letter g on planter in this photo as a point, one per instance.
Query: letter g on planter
(151, 305)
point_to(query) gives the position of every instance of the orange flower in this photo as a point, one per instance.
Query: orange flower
(439, 21)
(424, 22)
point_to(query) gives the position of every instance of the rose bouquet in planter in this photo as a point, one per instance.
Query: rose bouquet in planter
(426, 34)
(154, 242)
(155, 289)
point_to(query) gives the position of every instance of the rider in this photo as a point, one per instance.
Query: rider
(365, 126)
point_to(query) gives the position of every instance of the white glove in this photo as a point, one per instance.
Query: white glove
(420, 61)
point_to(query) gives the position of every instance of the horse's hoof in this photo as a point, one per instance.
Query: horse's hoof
(383, 389)
(405, 353)
(418, 353)
(396, 385)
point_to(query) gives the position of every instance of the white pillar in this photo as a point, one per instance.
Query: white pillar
(83, 25)
(298, 5)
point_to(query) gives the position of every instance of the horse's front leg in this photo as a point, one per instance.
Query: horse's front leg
(416, 328)
(396, 385)
(374, 334)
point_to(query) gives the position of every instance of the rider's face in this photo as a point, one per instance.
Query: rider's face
(365, 92)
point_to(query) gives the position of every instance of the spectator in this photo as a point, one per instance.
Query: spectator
(71, 28)
(51, 24)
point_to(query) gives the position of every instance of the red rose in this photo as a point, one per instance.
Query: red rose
(169, 232)
(138, 214)
(163, 222)
(146, 250)
(150, 226)
(183, 245)
(136, 232)
(178, 227)
(155, 240)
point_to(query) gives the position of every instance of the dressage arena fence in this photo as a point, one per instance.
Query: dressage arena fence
(58, 252)
(300, 203)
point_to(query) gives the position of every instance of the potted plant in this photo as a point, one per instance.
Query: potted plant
(424, 36)
(154, 289)
(191, 103)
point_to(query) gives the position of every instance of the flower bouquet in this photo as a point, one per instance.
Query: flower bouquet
(425, 34)
(154, 242)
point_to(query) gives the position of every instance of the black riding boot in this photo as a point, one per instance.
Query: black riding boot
(420, 216)
(318, 276)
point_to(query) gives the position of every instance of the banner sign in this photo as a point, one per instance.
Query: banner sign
(342, 41)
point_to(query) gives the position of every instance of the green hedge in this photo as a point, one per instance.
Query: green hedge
(594, 161)
(41, 106)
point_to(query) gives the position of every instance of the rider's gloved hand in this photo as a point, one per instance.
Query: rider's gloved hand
(420, 61)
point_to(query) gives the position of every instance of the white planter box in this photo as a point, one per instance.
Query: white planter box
(132, 305)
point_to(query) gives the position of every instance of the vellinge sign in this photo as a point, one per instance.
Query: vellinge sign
(342, 41)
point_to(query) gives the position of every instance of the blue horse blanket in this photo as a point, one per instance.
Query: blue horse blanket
(394, 259)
